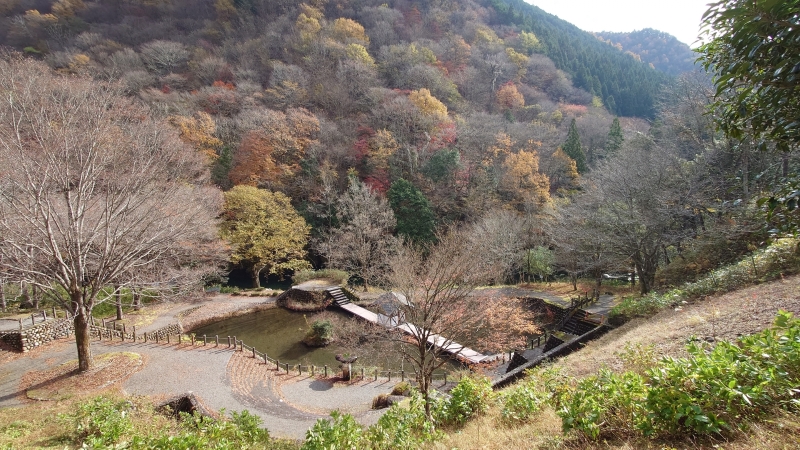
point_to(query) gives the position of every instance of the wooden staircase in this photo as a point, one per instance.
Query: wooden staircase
(338, 296)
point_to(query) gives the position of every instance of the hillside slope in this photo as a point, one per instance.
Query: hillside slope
(664, 51)
(641, 342)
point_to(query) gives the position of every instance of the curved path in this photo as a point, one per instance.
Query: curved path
(289, 404)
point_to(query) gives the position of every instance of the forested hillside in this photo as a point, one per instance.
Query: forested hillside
(448, 111)
(662, 50)
(467, 100)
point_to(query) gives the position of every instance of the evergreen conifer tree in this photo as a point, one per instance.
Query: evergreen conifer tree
(572, 147)
(615, 137)
(413, 212)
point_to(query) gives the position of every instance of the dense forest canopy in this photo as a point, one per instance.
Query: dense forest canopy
(664, 51)
(450, 110)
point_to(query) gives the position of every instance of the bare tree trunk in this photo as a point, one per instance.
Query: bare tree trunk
(35, 295)
(118, 291)
(82, 337)
(255, 276)
(137, 299)
(3, 296)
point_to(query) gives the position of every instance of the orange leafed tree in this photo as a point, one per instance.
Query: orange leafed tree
(270, 156)
(198, 131)
(508, 97)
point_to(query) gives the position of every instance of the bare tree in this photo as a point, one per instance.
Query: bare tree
(638, 203)
(94, 193)
(163, 57)
(439, 309)
(362, 243)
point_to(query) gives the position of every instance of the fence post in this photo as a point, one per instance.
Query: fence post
(33, 321)
(192, 337)
(277, 366)
(44, 315)
(376, 374)
(55, 316)
(265, 359)
(299, 369)
(145, 337)
(254, 352)
(241, 346)
(312, 370)
(286, 367)
(156, 337)
(20, 324)
(326, 371)
(402, 375)
(390, 375)
(134, 333)
(167, 338)
(216, 340)
(229, 342)
(362, 373)
(204, 340)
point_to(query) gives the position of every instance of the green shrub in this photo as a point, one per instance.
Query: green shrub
(402, 428)
(240, 431)
(607, 401)
(100, 422)
(710, 391)
(339, 277)
(471, 396)
(319, 334)
(342, 432)
(522, 401)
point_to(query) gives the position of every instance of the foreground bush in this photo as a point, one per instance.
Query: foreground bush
(403, 427)
(104, 422)
(712, 391)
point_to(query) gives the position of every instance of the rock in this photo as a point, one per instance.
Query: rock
(188, 403)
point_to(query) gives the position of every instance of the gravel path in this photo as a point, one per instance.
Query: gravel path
(288, 404)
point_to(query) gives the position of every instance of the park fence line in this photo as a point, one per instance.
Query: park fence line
(171, 334)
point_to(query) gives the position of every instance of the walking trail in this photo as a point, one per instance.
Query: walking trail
(289, 404)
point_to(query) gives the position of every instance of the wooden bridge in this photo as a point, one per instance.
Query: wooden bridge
(459, 351)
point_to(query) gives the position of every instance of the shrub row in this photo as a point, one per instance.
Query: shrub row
(712, 391)
(762, 265)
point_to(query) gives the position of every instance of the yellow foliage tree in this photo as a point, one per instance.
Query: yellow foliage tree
(349, 31)
(519, 60)
(265, 232)
(358, 52)
(562, 170)
(529, 42)
(66, 9)
(226, 11)
(428, 104)
(198, 131)
(523, 181)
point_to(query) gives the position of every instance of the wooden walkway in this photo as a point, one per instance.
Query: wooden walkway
(465, 353)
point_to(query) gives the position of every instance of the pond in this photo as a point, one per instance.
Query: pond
(279, 332)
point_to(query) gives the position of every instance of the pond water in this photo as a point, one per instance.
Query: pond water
(279, 333)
